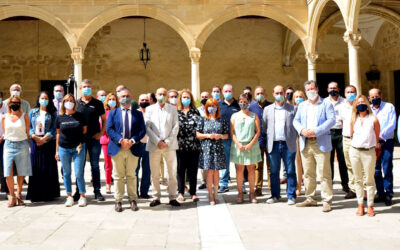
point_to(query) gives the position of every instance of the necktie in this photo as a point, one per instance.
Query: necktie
(126, 125)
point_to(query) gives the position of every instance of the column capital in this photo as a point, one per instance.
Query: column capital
(195, 54)
(77, 55)
(352, 38)
(312, 57)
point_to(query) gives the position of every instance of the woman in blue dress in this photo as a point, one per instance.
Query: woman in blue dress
(211, 132)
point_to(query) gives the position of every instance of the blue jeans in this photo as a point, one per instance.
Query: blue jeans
(281, 151)
(94, 148)
(66, 156)
(384, 186)
(223, 182)
(144, 163)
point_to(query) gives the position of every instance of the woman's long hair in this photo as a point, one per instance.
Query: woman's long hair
(50, 106)
(355, 113)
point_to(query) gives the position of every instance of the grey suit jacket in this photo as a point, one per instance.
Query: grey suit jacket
(153, 124)
(269, 126)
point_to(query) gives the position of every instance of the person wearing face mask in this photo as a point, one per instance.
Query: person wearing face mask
(144, 158)
(298, 97)
(43, 184)
(126, 128)
(216, 92)
(16, 90)
(289, 95)
(386, 114)
(211, 130)
(344, 116)
(162, 128)
(101, 95)
(281, 144)
(204, 96)
(58, 92)
(134, 103)
(258, 107)
(111, 102)
(173, 96)
(247, 90)
(336, 135)
(189, 146)
(15, 126)
(70, 146)
(228, 107)
(245, 151)
(313, 121)
(93, 111)
(3, 112)
(364, 130)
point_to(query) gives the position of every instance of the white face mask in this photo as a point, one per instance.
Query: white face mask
(173, 101)
(15, 92)
(312, 95)
(69, 105)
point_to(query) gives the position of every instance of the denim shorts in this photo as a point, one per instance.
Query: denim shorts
(17, 152)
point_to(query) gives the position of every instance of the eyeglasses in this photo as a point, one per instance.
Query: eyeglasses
(15, 103)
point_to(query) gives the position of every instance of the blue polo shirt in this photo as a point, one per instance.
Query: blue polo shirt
(255, 108)
(227, 110)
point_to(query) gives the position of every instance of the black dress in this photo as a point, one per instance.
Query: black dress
(43, 184)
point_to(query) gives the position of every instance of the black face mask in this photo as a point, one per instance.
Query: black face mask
(376, 101)
(203, 101)
(250, 96)
(14, 107)
(144, 105)
(333, 93)
(362, 107)
(289, 96)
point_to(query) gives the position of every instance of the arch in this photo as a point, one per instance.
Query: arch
(269, 11)
(25, 10)
(133, 10)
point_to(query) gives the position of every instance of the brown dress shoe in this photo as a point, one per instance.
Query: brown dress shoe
(134, 206)
(370, 211)
(360, 210)
(350, 195)
(118, 207)
(258, 192)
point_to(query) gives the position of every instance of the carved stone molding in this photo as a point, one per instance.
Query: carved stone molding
(195, 54)
(353, 38)
(77, 55)
(312, 57)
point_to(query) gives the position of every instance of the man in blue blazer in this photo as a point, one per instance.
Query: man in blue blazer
(313, 121)
(125, 127)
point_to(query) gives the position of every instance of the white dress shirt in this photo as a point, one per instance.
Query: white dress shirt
(336, 106)
(123, 110)
(57, 104)
(279, 123)
(386, 115)
(345, 113)
(161, 115)
(312, 112)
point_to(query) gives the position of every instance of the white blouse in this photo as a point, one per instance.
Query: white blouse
(364, 134)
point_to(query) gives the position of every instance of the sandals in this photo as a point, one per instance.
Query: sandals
(108, 189)
(253, 199)
(12, 201)
(20, 202)
(180, 197)
(195, 198)
(239, 199)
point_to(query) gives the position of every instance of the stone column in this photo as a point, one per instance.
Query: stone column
(77, 56)
(353, 40)
(195, 57)
(312, 65)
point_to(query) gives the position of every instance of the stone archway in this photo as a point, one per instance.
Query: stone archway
(134, 10)
(24, 10)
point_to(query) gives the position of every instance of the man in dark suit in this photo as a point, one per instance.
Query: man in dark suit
(281, 144)
(126, 128)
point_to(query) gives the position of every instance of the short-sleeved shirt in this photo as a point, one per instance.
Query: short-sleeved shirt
(91, 112)
(71, 129)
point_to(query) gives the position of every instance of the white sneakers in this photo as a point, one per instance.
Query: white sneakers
(272, 200)
(291, 201)
(82, 202)
(70, 202)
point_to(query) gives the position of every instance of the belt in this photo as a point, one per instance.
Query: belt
(336, 129)
(280, 141)
(312, 138)
(348, 137)
(383, 141)
(364, 149)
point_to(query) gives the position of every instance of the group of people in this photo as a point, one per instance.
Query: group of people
(304, 131)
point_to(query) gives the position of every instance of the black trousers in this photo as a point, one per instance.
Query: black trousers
(337, 146)
(188, 164)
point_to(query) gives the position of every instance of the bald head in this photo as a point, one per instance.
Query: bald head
(279, 88)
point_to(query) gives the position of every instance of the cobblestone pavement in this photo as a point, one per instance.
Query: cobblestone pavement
(201, 226)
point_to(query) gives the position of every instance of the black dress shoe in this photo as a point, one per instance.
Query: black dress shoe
(118, 207)
(388, 201)
(378, 199)
(203, 186)
(155, 203)
(350, 195)
(134, 206)
(345, 188)
(174, 203)
(144, 196)
(76, 196)
(98, 196)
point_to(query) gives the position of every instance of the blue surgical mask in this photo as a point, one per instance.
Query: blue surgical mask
(1, 101)
(279, 98)
(102, 98)
(260, 98)
(86, 91)
(112, 103)
(161, 99)
(299, 100)
(216, 95)
(118, 94)
(58, 95)
(186, 101)
(43, 102)
(228, 96)
(351, 97)
(212, 110)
